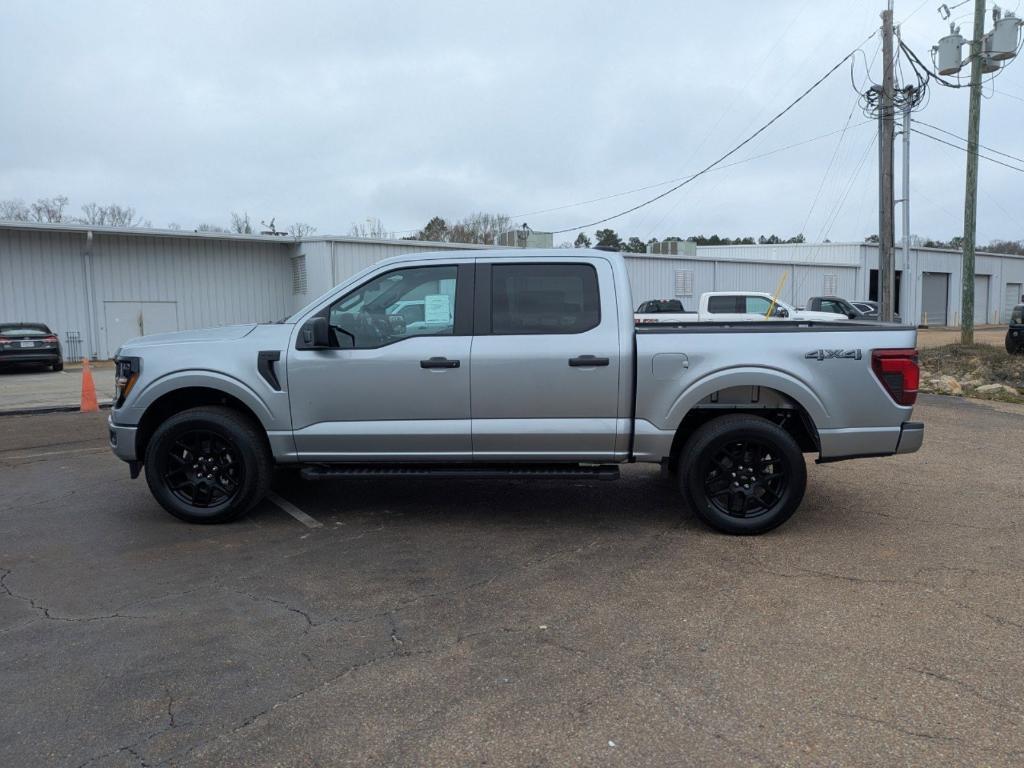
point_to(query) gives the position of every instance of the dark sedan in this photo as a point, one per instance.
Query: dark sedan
(30, 343)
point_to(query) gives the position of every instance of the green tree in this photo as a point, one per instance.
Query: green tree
(435, 231)
(607, 238)
(635, 245)
(582, 241)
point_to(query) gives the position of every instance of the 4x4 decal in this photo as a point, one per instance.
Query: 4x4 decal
(833, 354)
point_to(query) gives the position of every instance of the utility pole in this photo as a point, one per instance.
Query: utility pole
(971, 194)
(908, 102)
(886, 230)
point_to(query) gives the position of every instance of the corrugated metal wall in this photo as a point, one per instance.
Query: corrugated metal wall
(331, 261)
(221, 280)
(211, 281)
(42, 279)
(654, 277)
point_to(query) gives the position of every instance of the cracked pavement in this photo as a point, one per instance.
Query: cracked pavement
(516, 623)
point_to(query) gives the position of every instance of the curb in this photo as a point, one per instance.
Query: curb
(38, 409)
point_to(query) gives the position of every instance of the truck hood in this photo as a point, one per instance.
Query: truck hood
(224, 333)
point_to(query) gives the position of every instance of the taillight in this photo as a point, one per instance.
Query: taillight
(4, 340)
(50, 339)
(898, 372)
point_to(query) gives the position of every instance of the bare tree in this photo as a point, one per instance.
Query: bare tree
(240, 223)
(301, 229)
(174, 225)
(372, 228)
(112, 215)
(210, 228)
(483, 228)
(48, 209)
(13, 210)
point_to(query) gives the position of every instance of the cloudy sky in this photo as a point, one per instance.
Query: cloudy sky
(331, 112)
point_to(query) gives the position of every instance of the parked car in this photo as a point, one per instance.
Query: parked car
(30, 343)
(836, 306)
(870, 310)
(541, 373)
(733, 306)
(663, 311)
(1015, 331)
(737, 305)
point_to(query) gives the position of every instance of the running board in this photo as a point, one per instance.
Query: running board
(537, 472)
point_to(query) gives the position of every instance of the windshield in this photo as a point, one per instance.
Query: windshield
(24, 329)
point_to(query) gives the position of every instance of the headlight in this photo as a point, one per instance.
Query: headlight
(126, 373)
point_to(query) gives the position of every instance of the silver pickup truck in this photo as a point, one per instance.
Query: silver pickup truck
(516, 363)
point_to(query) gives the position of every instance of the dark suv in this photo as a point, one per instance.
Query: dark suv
(1015, 333)
(30, 343)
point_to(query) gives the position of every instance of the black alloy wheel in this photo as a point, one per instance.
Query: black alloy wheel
(209, 464)
(202, 469)
(742, 474)
(745, 479)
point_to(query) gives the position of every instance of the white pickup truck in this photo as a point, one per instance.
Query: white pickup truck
(523, 364)
(726, 306)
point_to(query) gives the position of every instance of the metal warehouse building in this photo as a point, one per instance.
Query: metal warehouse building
(98, 286)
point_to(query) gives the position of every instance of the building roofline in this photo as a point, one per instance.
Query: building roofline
(74, 227)
(139, 231)
(898, 247)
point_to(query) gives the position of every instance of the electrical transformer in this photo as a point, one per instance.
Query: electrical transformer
(1003, 40)
(948, 58)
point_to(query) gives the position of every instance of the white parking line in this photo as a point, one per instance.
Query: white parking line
(294, 511)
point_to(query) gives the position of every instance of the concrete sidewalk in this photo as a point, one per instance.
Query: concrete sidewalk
(30, 389)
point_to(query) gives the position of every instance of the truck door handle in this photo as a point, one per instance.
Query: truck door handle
(439, 362)
(584, 361)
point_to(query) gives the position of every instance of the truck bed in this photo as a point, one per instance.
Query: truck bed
(821, 369)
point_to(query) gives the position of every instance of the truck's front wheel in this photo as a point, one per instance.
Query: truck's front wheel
(208, 465)
(742, 474)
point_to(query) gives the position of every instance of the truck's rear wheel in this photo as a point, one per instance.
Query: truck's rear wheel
(208, 465)
(742, 474)
(1013, 346)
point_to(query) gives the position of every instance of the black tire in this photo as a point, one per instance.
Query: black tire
(58, 366)
(1013, 346)
(224, 444)
(742, 474)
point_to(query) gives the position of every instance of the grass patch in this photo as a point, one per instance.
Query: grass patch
(974, 366)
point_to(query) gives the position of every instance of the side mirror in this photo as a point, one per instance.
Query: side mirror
(781, 312)
(314, 334)
(852, 315)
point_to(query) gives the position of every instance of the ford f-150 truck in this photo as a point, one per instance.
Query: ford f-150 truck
(526, 363)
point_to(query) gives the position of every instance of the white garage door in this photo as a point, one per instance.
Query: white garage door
(125, 320)
(934, 295)
(981, 313)
(1011, 297)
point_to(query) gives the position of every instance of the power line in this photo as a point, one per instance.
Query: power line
(965, 149)
(769, 153)
(1004, 93)
(728, 154)
(961, 138)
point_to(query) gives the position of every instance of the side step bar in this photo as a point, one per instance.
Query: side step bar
(469, 472)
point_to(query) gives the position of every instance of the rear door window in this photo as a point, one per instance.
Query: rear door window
(725, 305)
(544, 298)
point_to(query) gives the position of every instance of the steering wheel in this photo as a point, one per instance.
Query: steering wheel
(371, 326)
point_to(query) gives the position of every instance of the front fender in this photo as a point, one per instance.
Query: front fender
(751, 376)
(263, 410)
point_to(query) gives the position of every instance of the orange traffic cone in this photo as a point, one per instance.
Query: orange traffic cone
(89, 404)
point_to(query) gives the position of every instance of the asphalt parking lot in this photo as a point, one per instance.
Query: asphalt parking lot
(515, 623)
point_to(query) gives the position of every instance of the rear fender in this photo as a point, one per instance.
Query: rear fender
(767, 378)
